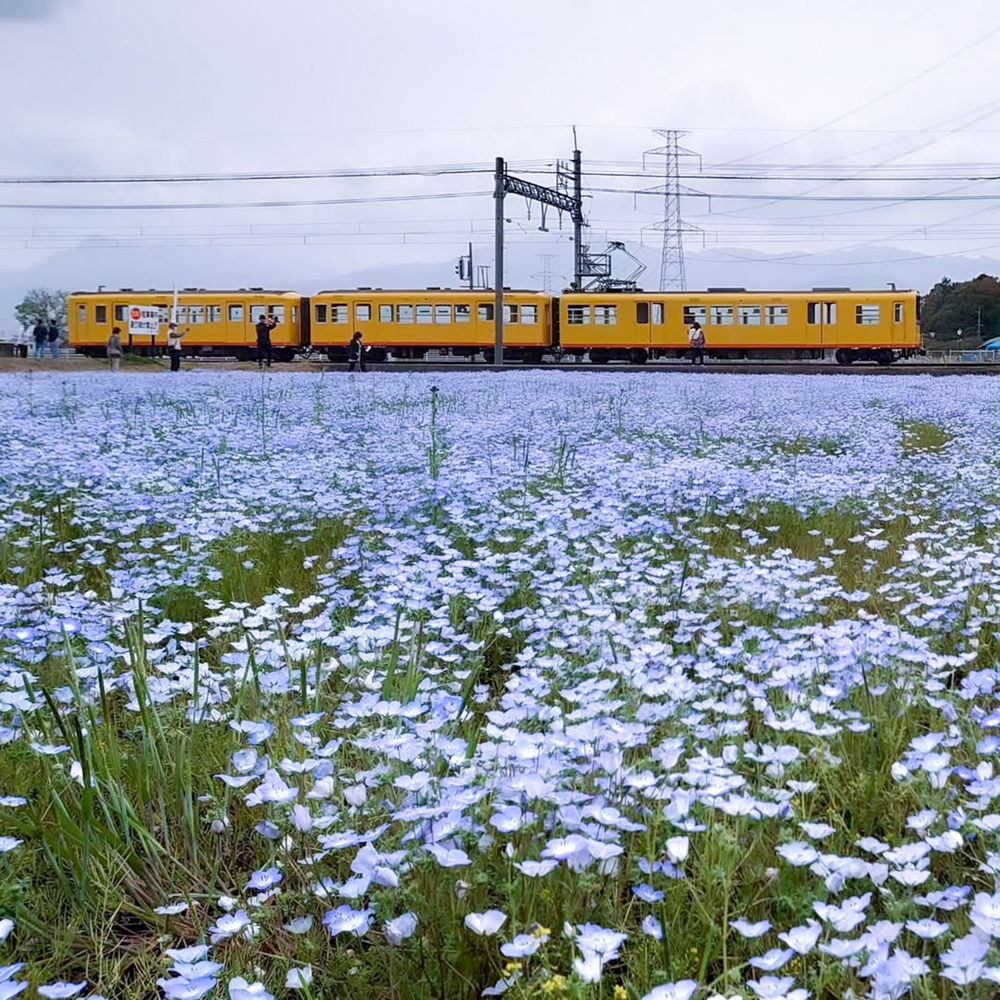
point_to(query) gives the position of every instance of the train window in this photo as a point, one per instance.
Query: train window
(722, 315)
(812, 313)
(100, 314)
(658, 313)
(485, 312)
(776, 315)
(363, 312)
(867, 315)
(898, 313)
(257, 313)
(215, 314)
(462, 314)
(81, 312)
(197, 314)
(748, 315)
(606, 315)
(510, 314)
(529, 315)
(295, 314)
(320, 312)
(339, 313)
(830, 313)
(578, 315)
(404, 314)
(179, 314)
(642, 312)
(385, 314)
(235, 313)
(278, 312)
(692, 314)
(165, 314)
(442, 314)
(425, 314)
(119, 314)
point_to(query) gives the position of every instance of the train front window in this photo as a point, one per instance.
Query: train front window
(749, 315)
(867, 315)
(578, 315)
(722, 315)
(776, 315)
(692, 314)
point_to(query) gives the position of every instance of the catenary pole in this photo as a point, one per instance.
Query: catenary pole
(498, 194)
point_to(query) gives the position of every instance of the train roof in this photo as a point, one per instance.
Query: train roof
(189, 291)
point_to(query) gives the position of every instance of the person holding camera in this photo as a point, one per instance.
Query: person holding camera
(264, 327)
(174, 346)
(356, 352)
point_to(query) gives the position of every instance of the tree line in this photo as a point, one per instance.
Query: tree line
(961, 310)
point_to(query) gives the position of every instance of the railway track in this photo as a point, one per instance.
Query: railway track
(718, 368)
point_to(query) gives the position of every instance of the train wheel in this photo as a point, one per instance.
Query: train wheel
(844, 356)
(489, 355)
(884, 356)
(638, 356)
(599, 356)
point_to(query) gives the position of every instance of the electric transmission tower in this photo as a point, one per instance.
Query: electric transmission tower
(672, 275)
(546, 273)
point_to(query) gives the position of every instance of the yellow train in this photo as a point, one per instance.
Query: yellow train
(214, 322)
(880, 326)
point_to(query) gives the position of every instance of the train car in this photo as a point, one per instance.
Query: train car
(880, 326)
(407, 324)
(217, 322)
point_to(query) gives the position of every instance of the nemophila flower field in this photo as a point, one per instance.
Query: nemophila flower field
(533, 684)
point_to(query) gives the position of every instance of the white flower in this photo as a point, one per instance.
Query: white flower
(485, 923)
(398, 930)
(298, 977)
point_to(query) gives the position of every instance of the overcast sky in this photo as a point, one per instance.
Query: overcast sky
(873, 89)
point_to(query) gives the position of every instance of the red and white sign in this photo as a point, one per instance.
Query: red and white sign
(143, 321)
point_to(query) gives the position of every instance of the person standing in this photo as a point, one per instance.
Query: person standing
(41, 335)
(356, 352)
(54, 338)
(696, 338)
(264, 327)
(115, 348)
(174, 346)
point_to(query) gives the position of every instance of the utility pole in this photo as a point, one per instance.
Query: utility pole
(577, 219)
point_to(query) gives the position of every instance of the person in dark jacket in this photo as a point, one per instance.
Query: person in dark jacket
(356, 352)
(41, 335)
(264, 327)
(54, 338)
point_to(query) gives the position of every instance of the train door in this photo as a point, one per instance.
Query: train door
(898, 320)
(234, 322)
(643, 331)
(821, 323)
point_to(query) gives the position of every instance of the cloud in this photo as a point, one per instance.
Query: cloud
(29, 10)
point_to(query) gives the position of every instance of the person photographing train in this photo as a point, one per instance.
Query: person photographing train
(696, 338)
(264, 327)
